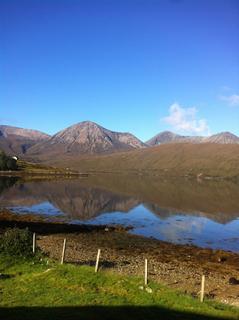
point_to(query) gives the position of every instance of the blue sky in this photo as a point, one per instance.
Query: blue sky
(141, 66)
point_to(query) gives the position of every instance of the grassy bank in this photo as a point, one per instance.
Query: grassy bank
(31, 289)
(29, 169)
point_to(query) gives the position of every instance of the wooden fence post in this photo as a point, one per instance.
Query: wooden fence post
(202, 288)
(146, 272)
(97, 260)
(63, 251)
(34, 243)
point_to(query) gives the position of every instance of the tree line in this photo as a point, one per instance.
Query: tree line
(7, 163)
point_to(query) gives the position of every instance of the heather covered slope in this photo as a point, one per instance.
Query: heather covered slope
(209, 159)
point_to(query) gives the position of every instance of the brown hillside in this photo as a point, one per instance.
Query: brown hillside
(170, 159)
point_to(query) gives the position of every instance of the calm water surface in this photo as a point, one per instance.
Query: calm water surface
(203, 213)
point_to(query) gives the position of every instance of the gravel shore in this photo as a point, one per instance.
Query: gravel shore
(177, 266)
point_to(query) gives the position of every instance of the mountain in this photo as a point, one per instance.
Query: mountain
(170, 137)
(164, 137)
(89, 138)
(86, 138)
(15, 140)
(223, 137)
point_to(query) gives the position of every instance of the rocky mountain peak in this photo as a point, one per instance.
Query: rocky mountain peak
(88, 137)
(79, 133)
(163, 137)
(223, 137)
(24, 133)
(169, 137)
(17, 141)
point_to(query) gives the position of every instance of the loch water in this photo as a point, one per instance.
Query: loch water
(202, 213)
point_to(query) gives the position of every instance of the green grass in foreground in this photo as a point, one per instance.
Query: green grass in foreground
(37, 290)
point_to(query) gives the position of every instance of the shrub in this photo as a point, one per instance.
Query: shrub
(16, 242)
(11, 164)
(7, 163)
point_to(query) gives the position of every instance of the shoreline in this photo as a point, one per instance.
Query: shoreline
(19, 174)
(138, 173)
(177, 266)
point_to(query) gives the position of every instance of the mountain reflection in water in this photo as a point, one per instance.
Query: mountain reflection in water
(173, 210)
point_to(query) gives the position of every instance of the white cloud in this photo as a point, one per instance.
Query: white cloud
(184, 120)
(232, 100)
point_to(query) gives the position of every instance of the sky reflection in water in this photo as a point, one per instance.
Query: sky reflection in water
(184, 213)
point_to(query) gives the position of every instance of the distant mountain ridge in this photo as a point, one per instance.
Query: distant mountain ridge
(21, 132)
(170, 137)
(87, 138)
(14, 140)
(224, 138)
